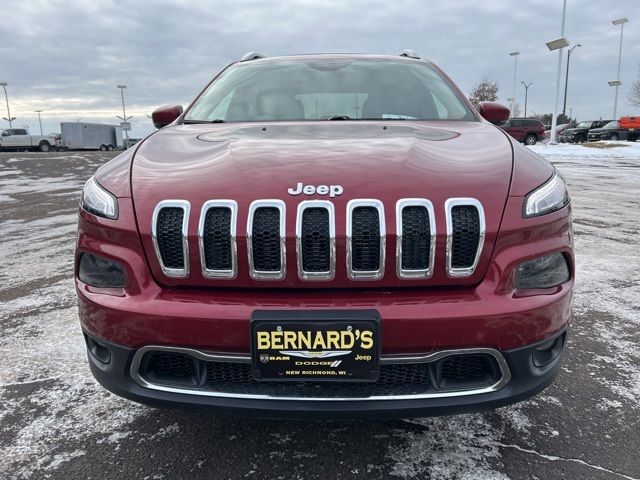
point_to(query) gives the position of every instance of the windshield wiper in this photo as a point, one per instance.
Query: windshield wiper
(340, 117)
(193, 122)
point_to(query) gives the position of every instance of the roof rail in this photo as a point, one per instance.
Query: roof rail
(251, 56)
(409, 53)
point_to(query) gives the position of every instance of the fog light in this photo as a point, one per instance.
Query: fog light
(100, 272)
(543, 272)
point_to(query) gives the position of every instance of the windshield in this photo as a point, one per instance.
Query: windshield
(584, 125)
(613, 124)
(329, 89)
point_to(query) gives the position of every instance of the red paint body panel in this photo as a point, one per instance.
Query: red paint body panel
(387, 161)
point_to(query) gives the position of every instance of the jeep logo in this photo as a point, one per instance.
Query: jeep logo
(331, 190)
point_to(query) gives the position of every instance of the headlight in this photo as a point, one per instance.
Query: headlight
(543, 272)
(551, 196)
(98, 201)
(100, 272)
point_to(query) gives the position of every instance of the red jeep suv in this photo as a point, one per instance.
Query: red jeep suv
(331, 236)
(526, 130)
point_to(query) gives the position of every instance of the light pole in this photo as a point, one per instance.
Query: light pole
(514, 54)
(9, 118)
(124, 117)
(39, 121)
(616, 83)
(566, 80)
(558, 44)
(526, 95)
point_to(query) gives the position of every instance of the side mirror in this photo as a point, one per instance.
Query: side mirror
(493, 112)
(163, 116)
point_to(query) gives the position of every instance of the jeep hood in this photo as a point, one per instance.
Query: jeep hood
(369, 160)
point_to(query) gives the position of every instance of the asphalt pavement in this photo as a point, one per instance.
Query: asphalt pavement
(57, 422)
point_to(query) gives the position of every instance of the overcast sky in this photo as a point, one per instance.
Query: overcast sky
(66, 57)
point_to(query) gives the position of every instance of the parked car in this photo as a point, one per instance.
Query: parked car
(559, 129)
(526, 130)
(580, 133)
(632, 126)
(20, 139)
(611, 131)
(334, 236)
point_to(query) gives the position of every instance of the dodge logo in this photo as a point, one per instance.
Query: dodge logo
(331, 190)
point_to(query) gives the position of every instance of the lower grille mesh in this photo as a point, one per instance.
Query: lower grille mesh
(265, 239)
(466, 235)
(365, 239)
(169, 236)
(416, 238)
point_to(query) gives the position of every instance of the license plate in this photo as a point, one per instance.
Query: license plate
(316, 346)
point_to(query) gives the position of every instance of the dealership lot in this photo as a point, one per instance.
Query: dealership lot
(57, 422)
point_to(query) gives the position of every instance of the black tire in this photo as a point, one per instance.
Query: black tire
(530, 139)
(103, 148)
(110, 148)
(580, 138)
(44, 147)
(614, 136)
(632, 137)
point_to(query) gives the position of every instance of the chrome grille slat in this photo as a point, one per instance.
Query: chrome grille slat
(463, 253)
(165, 237)
(214, 243)
(266, 246)
(355, 264)
(315, 250)
(417, 247)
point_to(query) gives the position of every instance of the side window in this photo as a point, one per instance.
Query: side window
(532, 123)
(517, 123)
(20, 132)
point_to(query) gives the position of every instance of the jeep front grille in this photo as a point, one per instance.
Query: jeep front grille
(169, 232)
(465, 235)
(316, 239)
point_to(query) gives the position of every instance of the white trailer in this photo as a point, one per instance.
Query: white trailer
(90, 136)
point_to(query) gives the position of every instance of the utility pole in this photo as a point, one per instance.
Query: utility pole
(39, 121)
(566, 80)
(514, 54)
(124, 117)
(9, 118)
(558, 44)
(616, 83)
(526, 95)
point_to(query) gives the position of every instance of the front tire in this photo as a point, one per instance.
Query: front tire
(44, 147)
(581, 138)
(530, 139)
(110, 148)
(614, 136)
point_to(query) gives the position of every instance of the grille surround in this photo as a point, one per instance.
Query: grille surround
(313, 275)
(457, 272)
(415, 273)
(231, 273)
(267, 274)
(186, 208)
(503, 378)
(352, 273)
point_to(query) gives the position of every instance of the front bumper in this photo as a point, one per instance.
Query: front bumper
(521, 379)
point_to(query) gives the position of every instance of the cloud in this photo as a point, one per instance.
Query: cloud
(67, 57)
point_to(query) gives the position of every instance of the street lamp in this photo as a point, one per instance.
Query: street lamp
(566, 80)
(526, 95)
(558, 44)
(514, 54)
(616, 83)
(124, 117)
(8, 118)
(39, 121)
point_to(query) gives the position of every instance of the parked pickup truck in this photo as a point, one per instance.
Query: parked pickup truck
(19, 139)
